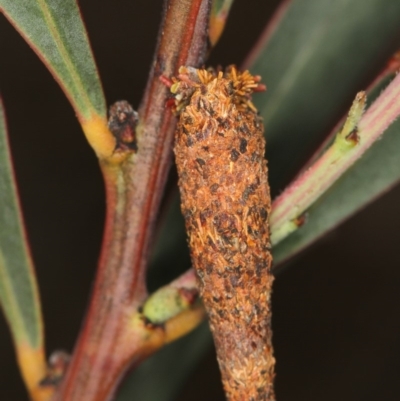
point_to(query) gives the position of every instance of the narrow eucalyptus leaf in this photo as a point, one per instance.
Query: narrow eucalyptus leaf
(55, 31)
(18, 288)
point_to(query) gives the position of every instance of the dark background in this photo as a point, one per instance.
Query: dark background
(336, 307)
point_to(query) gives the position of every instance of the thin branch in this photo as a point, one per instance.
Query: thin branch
(342, 154)
(388, 72)
(114, 335)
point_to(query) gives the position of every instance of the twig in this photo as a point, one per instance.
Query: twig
(343, 153)
(109, 341)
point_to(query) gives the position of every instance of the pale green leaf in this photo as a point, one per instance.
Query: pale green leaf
(55, 31)
(18, 288)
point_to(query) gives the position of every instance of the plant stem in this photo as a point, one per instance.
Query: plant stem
(387, 74)
(109, 343)
(340, 156)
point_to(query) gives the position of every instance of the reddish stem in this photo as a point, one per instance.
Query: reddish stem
(389, 70)
(108, 344)
(338, 158)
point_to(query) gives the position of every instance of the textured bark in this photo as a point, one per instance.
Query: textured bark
(219, 149)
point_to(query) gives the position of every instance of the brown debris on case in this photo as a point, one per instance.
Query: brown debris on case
(219, 150)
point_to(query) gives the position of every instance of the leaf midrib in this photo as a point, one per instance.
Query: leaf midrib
(52, 26)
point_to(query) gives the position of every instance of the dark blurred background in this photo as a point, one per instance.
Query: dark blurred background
(336, 306)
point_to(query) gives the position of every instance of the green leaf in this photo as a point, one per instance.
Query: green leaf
(18, 288)
(55, 31)
(314, 63)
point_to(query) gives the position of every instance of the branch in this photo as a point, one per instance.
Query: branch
(114, 335)
(350, 144)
